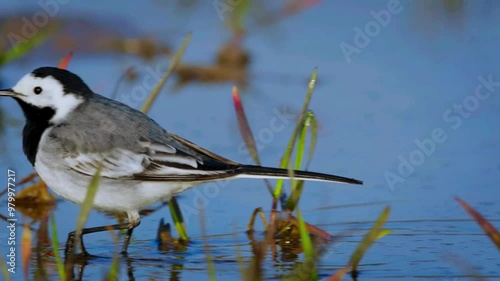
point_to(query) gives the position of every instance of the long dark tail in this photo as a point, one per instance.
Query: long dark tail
(249, 171)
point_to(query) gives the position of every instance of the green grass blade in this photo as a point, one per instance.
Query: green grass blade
(297, 186)
(178, 219)
(114, 270)
(291, 143)
(301, 144)
(21, 49)
(307, 247)
(370, 238)
(294, 198)
(208, 256)
(87, 205)
(113, 273)
(173, 65)
(5, 272)
(383, 233)
(313, 125)
(174, 207)
(238, 15)
(55, 246)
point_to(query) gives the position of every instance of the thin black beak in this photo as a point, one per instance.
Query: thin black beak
(8, 93)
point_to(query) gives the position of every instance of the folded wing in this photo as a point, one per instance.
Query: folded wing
(155, 162)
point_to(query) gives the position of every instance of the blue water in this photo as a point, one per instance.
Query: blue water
(404, 87)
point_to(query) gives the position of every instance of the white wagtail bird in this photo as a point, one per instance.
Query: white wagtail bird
(71, 132)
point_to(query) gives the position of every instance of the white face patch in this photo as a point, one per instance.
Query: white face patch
(52, 95)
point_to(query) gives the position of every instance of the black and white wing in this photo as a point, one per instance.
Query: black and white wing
(155, 162)
(181, 161)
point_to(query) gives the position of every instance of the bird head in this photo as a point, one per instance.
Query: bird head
(49, 89)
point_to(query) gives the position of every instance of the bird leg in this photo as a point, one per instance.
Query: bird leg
(130, 229)
(134, 219)
(70, 243)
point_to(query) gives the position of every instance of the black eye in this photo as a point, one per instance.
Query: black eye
(37, 90)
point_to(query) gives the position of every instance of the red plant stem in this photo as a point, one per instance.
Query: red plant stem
(63, 64)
